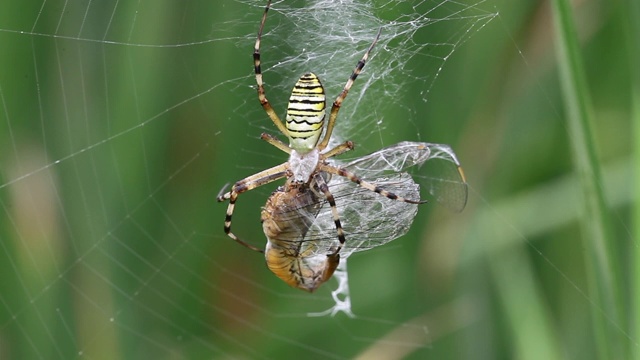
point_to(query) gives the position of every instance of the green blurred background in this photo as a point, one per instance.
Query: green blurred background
(121, 121)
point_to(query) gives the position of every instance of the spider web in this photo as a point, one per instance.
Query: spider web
(329, 37)
(121, 120)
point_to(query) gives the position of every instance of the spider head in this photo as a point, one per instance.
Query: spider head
(305, 113)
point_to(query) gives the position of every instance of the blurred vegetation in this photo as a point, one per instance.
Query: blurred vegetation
(111, 156)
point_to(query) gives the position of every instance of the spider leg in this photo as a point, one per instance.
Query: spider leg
(340, 149)
(322, 185)
(338, 102)
(275, 142)
(367, 185)
(256, 64)
(246, 184)
(227, 224)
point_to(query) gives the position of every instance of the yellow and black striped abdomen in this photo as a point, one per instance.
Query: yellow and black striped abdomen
(305, 113)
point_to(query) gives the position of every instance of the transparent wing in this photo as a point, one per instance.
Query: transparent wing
(369, 219)
(442, 177)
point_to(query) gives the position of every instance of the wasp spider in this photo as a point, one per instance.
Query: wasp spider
(306, 173)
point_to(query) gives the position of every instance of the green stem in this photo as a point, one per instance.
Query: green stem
(603, 278)
(632, 9)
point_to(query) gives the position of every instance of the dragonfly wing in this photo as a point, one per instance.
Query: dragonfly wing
(368, 218)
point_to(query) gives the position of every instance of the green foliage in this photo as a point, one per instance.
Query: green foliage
(117, 250)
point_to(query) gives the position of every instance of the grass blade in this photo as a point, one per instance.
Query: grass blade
(603, 275)
(632, 12)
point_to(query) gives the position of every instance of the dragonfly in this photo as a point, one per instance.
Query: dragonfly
(303, 248)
